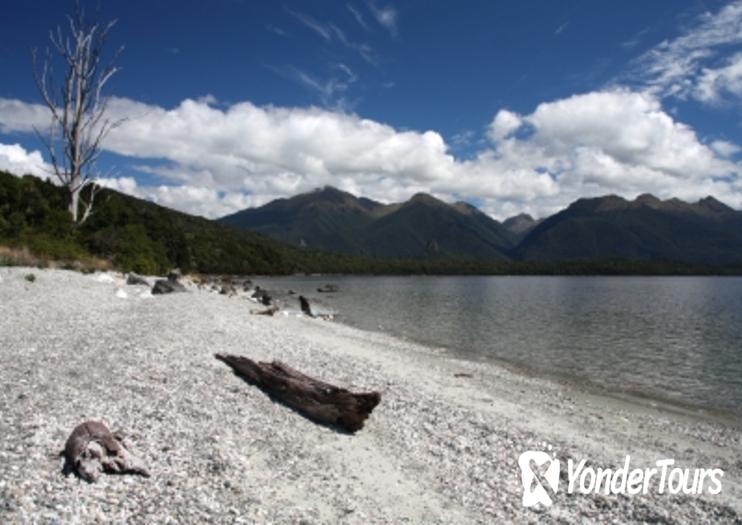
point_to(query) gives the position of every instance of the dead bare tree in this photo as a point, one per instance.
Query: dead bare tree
(79, 123)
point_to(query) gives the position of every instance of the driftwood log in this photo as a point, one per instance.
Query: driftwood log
(321, 402)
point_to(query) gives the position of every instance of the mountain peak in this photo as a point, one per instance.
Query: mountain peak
(647, 199)
(425, 198)
(520, 224)
(597, 204)
(714, 205)
(521, 217)
(466, 208)
(329, 191)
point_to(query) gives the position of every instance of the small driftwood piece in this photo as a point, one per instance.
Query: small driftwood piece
(321, 402)
(92, 449)
(304, 305)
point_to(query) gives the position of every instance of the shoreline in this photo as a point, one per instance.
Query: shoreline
(640, 397)
(588, 387)
(438, 448)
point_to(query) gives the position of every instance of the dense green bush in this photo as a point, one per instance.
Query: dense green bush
(134, 251)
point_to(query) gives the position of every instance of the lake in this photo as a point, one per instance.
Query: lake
(677, 339)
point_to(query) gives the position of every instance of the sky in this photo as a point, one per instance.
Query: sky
(511, 106)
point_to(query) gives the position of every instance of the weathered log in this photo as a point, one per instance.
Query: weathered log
(321, 402)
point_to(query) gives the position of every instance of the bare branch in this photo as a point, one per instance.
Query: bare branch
(88, 206)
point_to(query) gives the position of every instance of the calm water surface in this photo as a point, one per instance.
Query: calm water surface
(674, 338)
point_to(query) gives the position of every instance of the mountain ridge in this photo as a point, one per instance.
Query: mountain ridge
(329, 219)
(425, 227)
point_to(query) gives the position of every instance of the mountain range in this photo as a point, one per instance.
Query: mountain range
(706, 232)
(423, 227)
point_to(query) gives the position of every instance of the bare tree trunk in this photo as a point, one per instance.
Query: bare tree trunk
(74, 204)
(78, 110)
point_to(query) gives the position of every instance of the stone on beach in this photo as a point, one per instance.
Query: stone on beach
(262, 296)
(164, 286)
(105, 278)
(92, 449)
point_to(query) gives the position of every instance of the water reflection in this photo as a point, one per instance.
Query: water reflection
(672, 337)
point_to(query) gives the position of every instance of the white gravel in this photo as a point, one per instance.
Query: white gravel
(438, 448)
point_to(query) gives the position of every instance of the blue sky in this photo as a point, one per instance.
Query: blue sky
(514, 106)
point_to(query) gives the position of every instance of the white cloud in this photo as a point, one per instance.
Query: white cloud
(358, 16)
(714, 84)
(331, 91)
(385, 16)
(504, 123)
(332, 33)
(20, 116)
(123, 184)
(724, 148)
(318, 27)
(629, 127)
(195, 200)
(597, 143)
(16, 160)
(220, 159)
(680, 66)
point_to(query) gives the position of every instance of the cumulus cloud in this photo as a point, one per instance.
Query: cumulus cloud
(630, 128)
(504, 123)
(221, 159)
(196, 200)
(724, 148)
(20, 116)
(615, 142)
(16, 160)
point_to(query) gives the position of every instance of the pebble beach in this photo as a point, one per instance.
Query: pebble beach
(441, 447)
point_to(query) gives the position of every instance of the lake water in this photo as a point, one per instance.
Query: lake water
(673, 338)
